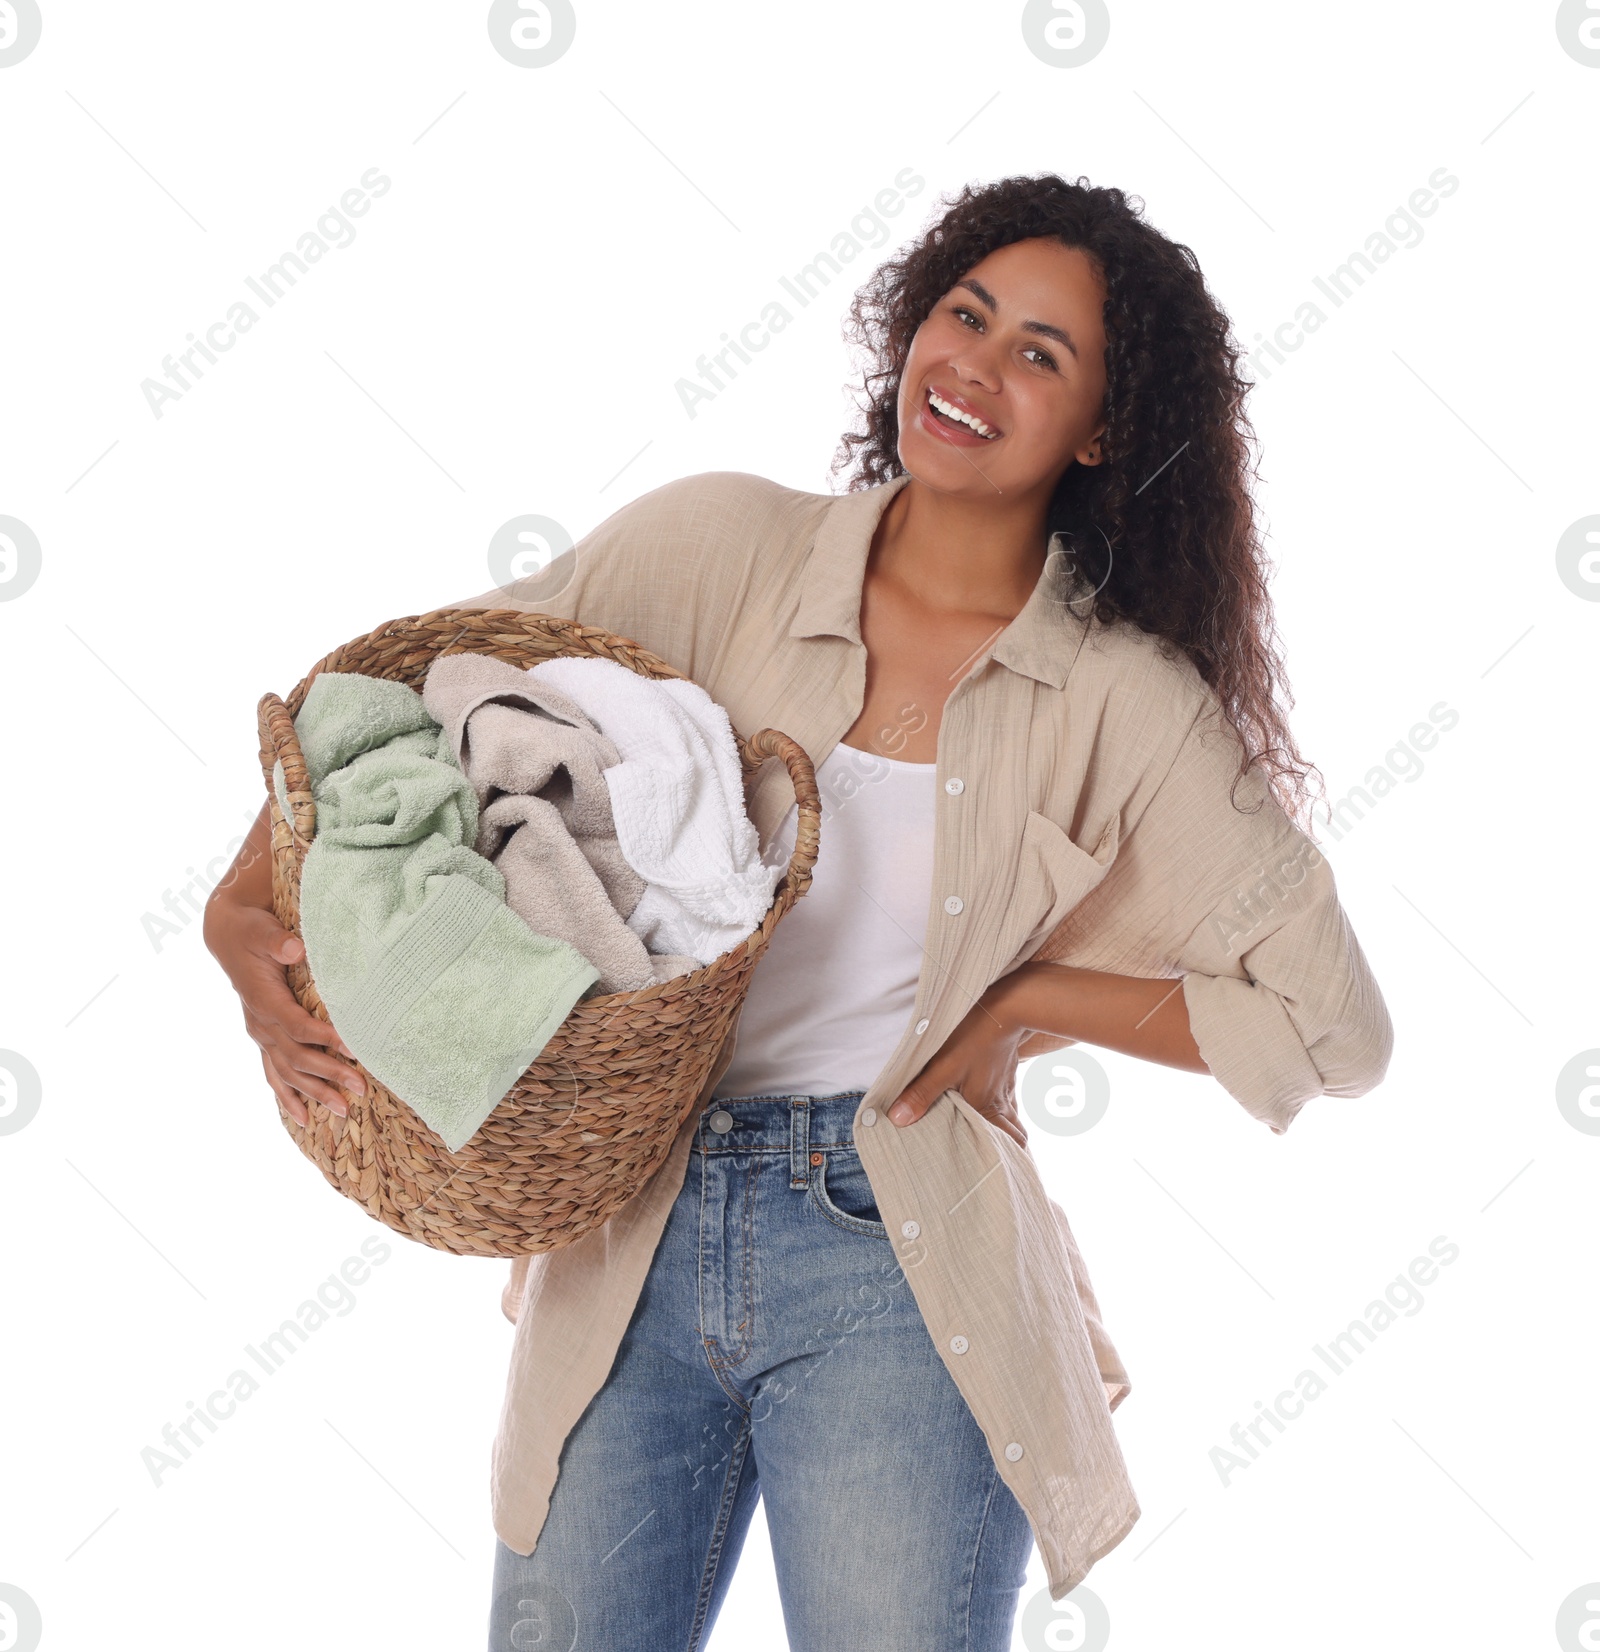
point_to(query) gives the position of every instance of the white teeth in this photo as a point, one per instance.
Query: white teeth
(965, 418)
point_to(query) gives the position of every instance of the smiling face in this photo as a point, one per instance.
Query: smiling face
(1004, 385)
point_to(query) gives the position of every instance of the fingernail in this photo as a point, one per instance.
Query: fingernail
(900, 1113)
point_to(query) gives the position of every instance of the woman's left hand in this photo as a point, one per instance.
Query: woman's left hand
(980, 1060)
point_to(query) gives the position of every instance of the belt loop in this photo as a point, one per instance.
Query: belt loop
(799, 1141)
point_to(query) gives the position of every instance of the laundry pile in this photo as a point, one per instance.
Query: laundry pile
(503, 844)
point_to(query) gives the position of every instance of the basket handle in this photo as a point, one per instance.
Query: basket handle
(771, 742)
(280, 744)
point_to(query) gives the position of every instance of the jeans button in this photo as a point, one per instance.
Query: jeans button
(721, 1121)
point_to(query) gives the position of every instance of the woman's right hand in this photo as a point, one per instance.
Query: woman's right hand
(245, 937)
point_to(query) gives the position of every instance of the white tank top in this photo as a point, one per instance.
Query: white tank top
(831, 995)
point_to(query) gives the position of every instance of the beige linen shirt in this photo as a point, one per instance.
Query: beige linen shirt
(1084, 815)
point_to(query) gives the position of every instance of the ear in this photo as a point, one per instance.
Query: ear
(1093, 451)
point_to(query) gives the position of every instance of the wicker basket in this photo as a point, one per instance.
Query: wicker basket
(590, 1121)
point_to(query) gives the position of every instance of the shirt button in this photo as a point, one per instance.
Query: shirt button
(953, 904)
(954, 786)
(1013, 1451)
(958, 1345)
(721, 1121)
(910, 1229)
(922, 1025)
(869, 1115)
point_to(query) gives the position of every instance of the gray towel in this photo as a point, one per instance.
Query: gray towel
(537, 763)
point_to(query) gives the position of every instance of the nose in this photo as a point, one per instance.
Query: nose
(977, 363)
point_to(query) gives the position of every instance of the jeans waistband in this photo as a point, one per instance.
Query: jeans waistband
(796, 1125)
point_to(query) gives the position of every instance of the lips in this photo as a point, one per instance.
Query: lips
(956, 419)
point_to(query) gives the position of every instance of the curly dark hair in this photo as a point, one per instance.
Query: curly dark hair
(1165, 526)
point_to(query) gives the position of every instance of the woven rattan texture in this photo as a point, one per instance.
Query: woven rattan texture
(589, 1122)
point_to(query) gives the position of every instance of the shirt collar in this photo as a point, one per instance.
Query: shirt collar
(1040, 642)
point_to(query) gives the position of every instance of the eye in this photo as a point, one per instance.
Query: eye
(970, 318)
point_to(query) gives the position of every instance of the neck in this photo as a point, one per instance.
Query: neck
(969, 556)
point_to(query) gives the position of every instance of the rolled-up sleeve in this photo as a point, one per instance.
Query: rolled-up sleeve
(1307, 1018)
(1282, 1003)
(1230, 894)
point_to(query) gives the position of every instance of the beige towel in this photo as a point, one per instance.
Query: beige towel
(537, 764)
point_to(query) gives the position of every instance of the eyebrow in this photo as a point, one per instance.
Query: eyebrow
(986, 297)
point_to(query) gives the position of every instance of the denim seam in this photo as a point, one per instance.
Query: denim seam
(700, 1285)
(977, 1549)
(716, 1360)
(752, 1256)
(748, 1267)
(708, 1577)
(732, 1393)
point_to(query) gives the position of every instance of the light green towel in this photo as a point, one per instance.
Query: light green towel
(439, 989)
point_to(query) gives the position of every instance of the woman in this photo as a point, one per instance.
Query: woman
(1031, 653)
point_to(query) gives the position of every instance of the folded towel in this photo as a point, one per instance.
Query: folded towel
(677, 799)
(439, 989)
(536, 763)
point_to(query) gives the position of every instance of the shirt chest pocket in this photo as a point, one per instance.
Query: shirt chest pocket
(1057, 873)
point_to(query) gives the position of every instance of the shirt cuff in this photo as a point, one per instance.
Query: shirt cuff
(1245, 1036)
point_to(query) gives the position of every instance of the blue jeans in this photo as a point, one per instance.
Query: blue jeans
(776, 1351)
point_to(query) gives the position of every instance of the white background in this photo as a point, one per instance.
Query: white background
(503, 336)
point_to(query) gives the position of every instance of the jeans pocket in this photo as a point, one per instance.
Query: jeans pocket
(843, 1194)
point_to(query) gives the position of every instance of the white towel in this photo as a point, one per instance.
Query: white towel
(677, 799)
